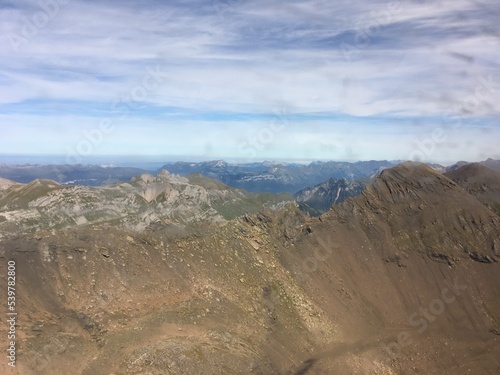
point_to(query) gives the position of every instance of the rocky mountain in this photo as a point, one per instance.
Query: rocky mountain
(276, 177)
(318, 199)
(145, 202)
(480, 181)
(412, 191)
(401, 279)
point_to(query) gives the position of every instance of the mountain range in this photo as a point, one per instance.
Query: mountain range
(255, 177)
(88, 175)
(399, 279)
(278, 177)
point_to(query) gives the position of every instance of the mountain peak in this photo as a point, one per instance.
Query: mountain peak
(409, 180)
(411, 166)
(429, 207)
(163, 175)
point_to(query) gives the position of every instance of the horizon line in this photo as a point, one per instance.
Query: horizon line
(168, 159)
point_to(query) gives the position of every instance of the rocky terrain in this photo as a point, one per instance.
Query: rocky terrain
(401, 279)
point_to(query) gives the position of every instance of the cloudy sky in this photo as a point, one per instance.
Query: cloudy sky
(251, 80)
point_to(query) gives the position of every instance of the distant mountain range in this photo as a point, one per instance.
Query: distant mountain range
(88, 175)
(277, 177)
(256, 177)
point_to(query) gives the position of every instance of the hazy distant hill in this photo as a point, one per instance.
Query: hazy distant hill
(89, 175)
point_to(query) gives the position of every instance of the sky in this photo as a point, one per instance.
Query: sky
(251, 80)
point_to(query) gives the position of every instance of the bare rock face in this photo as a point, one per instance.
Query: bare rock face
(402, 279)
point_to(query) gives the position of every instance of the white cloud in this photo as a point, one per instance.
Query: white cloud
(422, 62)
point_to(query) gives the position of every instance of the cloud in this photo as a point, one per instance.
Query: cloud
(228, 60)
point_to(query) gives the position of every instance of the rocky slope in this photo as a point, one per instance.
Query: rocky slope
(401, 279)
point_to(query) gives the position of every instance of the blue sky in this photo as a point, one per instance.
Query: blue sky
(251, 80)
